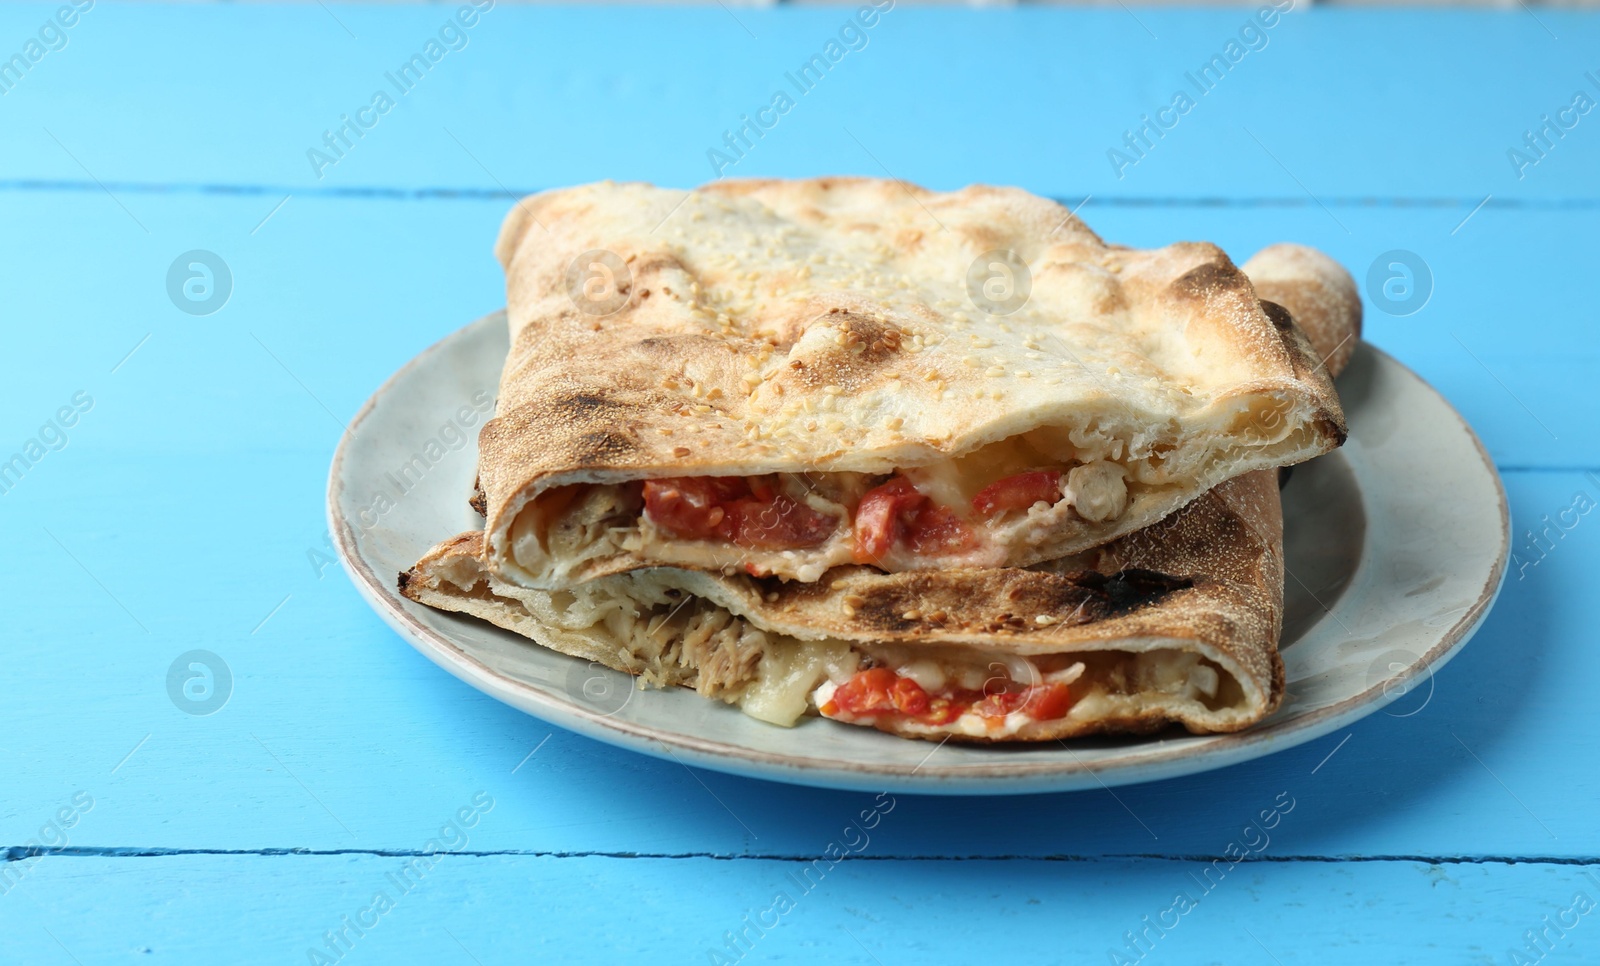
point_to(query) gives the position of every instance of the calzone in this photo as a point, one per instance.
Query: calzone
(1175, 623)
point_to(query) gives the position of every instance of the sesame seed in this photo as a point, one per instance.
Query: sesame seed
(1044, 620)
(680, 451)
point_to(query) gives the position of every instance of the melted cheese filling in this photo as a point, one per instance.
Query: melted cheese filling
(568, 526)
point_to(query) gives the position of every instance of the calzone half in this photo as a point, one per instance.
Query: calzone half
(778, 378)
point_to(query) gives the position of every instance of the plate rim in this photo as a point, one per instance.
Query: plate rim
(998, 778)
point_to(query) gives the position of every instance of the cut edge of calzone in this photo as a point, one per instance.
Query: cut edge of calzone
(792, 376)
(1173, 625)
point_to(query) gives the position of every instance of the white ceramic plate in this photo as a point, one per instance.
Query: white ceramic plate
(1387, 581)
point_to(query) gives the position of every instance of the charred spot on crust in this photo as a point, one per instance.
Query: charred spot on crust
(1203, 280)
(924, 602)
(1135, 587)
(405, 580)
(1086, 596)
(790, 594)
(601, 447)
(1280, 317)
(584, 404)
(671, 355)
(479, 502)
(1334, 429)
(887, 612)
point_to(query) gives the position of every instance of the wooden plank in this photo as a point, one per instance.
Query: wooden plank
(465, 909)
(547, 96)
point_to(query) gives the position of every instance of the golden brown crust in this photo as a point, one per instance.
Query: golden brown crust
(794, 326)
(1317, 291)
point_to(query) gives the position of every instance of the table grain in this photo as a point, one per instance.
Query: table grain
(176, 502)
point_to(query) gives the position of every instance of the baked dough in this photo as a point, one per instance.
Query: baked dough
(824, 336)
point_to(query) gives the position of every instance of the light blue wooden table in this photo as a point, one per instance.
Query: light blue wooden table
(173, 499)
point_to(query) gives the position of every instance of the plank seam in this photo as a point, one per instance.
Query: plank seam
(45, 185)
(19, 853)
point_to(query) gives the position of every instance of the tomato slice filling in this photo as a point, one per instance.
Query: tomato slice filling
(1018, 492)
(879, 691)
(747, 511)
(897, 512)
(751, 512)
